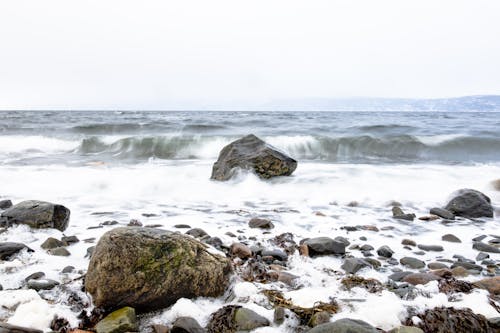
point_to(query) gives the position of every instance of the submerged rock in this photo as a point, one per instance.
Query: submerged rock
(251, 153)
(444, 213)
(345, 326)
(398, 213)
(120, 321)
(150, 269)
(37, 214)
(470, 203)
(8, 249)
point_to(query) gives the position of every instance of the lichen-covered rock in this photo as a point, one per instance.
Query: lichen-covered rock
(37, 214)
(251, 153)
(119, 321)
(446, 320)
(150, 269)
(470, 203)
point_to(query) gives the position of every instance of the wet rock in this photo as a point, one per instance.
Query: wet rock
(68, 240)
(59, 251)
(276, 254)
(288, 278)
(491, 284)
(251, 153)
(420, 278)
(399, 276)
(366, 247)
(4, 204)
(385, 251)
(353, 265)
(160, 329)
(459, 271)
(108, 223)
(451, 238)
(182, 226)
(216, 242)
(467, 265)
(134, 223)
(51, 243)
(483, 247)
(436, 265)
(240, 250)
(428, 217)
(319, 318)
(197, 233)
(68, 269)
(247, 320)
(345, 326)
(482, 256)
(167, 266)
(45, 284)
(90, 252)
(260, 223)
(7, 328)
(119, 321)
(441, 212)
(279, 315)
(342, 240)
(479, 238)
(35, 276)
(408, 242)
(9, 249)
(324, 246)
(406, 329)
(398, 213)
(37, 214)
(186, 325)
(445, 320)
(435, 248)
(412, 262)
(470, 203)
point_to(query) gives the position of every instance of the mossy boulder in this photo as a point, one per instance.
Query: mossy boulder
(37, 214)
(150, 269)
(251, 153)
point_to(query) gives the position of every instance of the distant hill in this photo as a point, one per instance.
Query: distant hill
(466, 103)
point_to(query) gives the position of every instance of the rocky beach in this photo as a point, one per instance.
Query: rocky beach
(224, 222)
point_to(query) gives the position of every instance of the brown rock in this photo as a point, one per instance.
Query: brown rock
(241, 251)
(420, 278)
(304, 250)
(490, 284)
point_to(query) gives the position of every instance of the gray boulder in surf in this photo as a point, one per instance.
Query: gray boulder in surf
(37, 214)
(470, 203)
(252, 153)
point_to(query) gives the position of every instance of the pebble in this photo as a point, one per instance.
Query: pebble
(353, 265)
(451, 238)
(419, 278)
(277, 254)
(68, 269)
(483, 247)
(4, 204)
(436, 265)
(59, 251)
(186, 325)
(408, 242)
(45, 284)
(260, 223)
(51, 243)
(444, 213)
(182, 226)
(481, 256)
(412, 262)
(399, 276)
(68, 240)
(240, 250)
(196, 232)
(435, 248)
(35, 276)
(385, 251)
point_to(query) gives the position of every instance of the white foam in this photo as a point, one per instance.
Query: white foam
(19, 143)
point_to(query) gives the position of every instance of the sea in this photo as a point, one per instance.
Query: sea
(155, 167)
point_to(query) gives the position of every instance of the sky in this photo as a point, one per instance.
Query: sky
(177, 54)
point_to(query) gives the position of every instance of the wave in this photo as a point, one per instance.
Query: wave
(364, 148)
(348, 149)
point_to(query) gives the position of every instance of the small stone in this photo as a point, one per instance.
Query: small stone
(428, 217)
(108, 223)
(467, 265)
(260, 223)
(196, 233)
(35, 276)
(119, 321)
(459, 271)
(319, 318)
(353, 265)
(4, 204)
(385, 251)
(399, 276)
(408, 242)
(157, 328)
(345, 325)
(441, 212)
(134, 223)
(68, 269)
(45, 284)
(366, 247)
(68, 240)
(342, 240)
(182, 226)
(59, 251)
(324, 246)
(419, 278)
(240, 250)
(412, 262)
(483, 247)
(398, 213)
(277, 254)
(479, 238)
(247, 320)
(482, 256)
(435, 248)
(451, 238)
(51, 243)
(186, 325)
(279, 315)
(436, 265)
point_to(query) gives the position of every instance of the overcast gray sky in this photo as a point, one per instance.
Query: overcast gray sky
(119, 54)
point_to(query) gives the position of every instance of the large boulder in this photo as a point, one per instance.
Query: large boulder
(149, 269)
(470, 203)
(37, 214)
(251, 153)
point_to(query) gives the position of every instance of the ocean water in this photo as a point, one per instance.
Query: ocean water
(351, 165)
